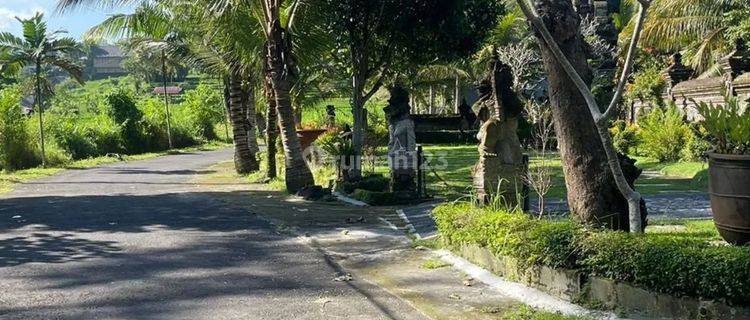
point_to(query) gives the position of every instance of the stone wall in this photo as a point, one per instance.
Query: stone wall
(682, 90)
(577, 286)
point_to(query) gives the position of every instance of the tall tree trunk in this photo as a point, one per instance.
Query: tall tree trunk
(226, 107)
(592, 192)
(272, 129)
(431, 107)
(358, 132)
(40, 109)
(297, 174)
(248, 106)
(166, 97)
(244, 159)
(457, 95)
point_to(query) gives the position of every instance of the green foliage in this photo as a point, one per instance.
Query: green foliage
(728, 125)
(335, 145)
(697, 145)
(648, 84)
(85, 136)
(678, 264)
(371, 182)
(15, 147)
(625, 137)
(204, 105)
(155, 125)
(528, 313)
(124, 112)
(673, 265)
(376, 198)
(511, 234)
(664, 133)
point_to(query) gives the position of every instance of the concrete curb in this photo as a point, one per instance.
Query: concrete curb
(341, 197)
(409, 226)
(530, 296)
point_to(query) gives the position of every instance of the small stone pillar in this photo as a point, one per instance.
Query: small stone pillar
(402, 144)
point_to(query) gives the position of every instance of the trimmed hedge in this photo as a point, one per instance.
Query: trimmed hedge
(673, 265)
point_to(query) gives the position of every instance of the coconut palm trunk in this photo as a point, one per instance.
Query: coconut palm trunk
(272, 129)
(248, 106)
(40, 108)
(297, 173)
(244, 158)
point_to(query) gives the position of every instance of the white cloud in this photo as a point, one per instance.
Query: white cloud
(8, 16)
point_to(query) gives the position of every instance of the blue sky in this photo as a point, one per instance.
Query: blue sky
(76, 22)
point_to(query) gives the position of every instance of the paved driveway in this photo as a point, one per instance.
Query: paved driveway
(139, 241)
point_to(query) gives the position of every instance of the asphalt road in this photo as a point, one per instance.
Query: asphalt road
(139, 241)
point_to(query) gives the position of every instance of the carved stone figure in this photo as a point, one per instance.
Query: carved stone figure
(500, 169)
(402, 147)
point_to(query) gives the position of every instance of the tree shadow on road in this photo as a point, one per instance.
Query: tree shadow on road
(47, 248)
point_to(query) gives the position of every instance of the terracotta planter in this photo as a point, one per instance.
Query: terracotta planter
(308, 136)
(729, 187)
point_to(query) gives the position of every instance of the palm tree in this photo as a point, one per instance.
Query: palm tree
(188, 34)
(280, 65)
(280, 69)
(699, 27)
(39, 49)
(148, 29)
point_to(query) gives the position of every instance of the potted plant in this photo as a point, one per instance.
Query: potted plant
(728, 126)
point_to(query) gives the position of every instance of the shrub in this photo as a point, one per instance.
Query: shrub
(204, 106)
(648, 83)
(155, 125)
(375, 198)
(728, 125)
(659, 262)
(677, 266)
(511, 234)
(625, 137)
(85, 136)
(15, 147)
(697, 145)
(664, 133)
(372, 182)
(123, 110)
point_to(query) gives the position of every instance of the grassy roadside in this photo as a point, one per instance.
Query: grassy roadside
(8, 179)
(453, 164)
(452, 177)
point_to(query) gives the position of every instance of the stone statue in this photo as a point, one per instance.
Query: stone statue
(402, 147)
(500, 169)
(330, 116)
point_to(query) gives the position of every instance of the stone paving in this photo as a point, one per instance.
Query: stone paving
(661, 206)
(666, 205)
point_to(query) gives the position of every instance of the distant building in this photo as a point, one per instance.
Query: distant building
(106, 61)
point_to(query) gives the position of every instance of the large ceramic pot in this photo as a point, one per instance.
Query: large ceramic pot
(729, 186)
(308, 136)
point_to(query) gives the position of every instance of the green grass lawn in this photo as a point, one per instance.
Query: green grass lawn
(8, 179)
(316, 116)
(452, 176)
(694, 229)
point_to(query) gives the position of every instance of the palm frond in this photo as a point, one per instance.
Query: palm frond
(74, 69)
(70, 5)
(9, 40)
